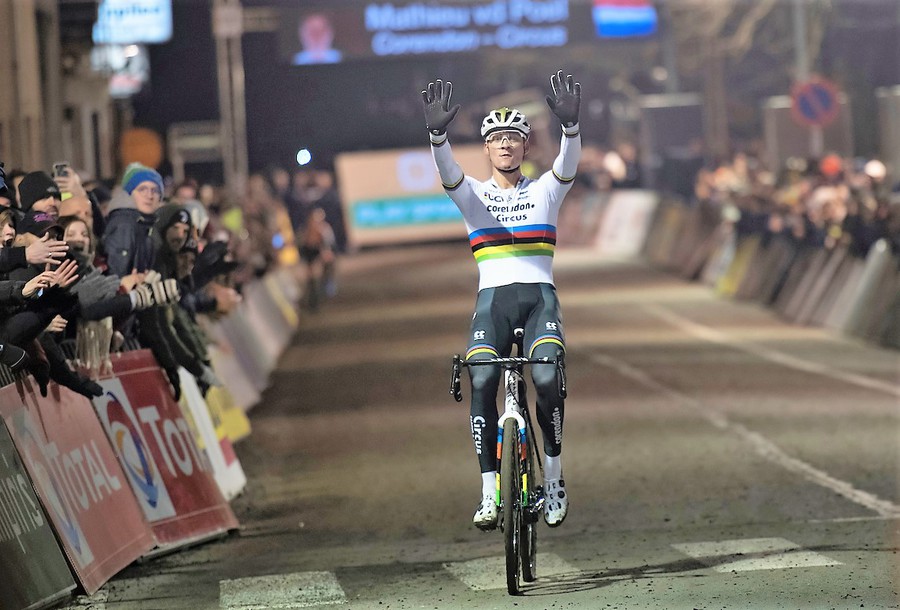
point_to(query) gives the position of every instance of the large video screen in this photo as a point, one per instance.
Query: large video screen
(319, 33)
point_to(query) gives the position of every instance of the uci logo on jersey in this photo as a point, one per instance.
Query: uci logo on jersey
(497, 198)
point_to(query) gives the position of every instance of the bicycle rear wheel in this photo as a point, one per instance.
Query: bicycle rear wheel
(511, 499)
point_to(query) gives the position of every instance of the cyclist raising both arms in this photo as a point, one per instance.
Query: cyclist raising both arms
(511, 222)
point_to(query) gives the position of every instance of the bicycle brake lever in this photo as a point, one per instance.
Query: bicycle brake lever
(455, 389)
(561, 376)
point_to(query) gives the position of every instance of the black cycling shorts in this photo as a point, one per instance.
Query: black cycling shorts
(500, 310)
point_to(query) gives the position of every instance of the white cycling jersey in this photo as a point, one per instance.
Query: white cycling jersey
(512, 231)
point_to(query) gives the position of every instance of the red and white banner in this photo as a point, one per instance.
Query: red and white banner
(78, 480)
(171, 477)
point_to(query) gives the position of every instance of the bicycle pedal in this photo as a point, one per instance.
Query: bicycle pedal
(536, 503)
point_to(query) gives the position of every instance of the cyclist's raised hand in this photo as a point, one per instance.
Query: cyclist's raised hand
(566, 98)
(438, 113)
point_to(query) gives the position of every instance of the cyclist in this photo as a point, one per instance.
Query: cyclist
(511, 222)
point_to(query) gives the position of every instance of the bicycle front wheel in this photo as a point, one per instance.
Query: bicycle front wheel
(528, 534)
(511, 499)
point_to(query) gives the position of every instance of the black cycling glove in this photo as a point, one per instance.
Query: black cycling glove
(566, 99)
(438, 113)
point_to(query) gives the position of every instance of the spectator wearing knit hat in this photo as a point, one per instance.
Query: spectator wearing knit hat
(127, 236)
(39, 193)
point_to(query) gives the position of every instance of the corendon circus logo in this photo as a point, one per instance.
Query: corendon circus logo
(63, 482)
(478, 425)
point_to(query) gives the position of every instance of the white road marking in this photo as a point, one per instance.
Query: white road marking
(282, 591)
(490, 572)
(713, 336)
(761, 445)
(754, 554)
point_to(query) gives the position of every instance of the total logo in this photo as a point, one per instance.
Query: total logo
(118, 417)
(47, 472)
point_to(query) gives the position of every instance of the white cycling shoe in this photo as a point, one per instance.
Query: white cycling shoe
(556, 502)
(486, 514)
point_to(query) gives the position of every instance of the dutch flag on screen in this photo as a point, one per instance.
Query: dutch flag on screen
(623, 18)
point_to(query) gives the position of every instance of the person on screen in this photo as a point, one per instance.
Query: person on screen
(316, 35)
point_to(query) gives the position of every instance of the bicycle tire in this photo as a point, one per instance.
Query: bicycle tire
(528, 534)
(510, 498)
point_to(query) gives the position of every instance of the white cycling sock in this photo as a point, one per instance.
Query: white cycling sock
(488, 483)
(552, 467)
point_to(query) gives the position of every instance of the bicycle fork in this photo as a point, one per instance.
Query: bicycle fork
(532, 496)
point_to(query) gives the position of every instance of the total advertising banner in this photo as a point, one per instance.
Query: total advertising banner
(28, 550)
(396, 196)
(171, 477)
(78, 480)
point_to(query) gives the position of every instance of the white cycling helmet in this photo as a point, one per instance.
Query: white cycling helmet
(504, 119)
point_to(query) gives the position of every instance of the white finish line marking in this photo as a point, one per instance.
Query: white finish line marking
(764, 554)
(283, 591)
(761, 445)
(490, 572)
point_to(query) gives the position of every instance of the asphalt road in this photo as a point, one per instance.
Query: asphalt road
(715, 457)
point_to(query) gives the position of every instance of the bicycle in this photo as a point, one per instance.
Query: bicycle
(520, 497)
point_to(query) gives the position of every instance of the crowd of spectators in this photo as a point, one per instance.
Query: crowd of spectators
(88, 270)
(817, 202)
(822, 203)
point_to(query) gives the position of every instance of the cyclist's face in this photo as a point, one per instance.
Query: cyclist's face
(506, 149)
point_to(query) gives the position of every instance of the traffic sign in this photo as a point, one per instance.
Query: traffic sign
(814, 102)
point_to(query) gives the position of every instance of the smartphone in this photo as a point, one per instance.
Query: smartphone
(61, 169)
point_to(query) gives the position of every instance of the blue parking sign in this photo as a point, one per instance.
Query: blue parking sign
(814, 102)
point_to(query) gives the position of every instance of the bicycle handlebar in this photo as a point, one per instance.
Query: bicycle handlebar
(510, 360)
(458, 363)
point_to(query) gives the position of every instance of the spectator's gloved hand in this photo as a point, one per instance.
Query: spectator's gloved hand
(211, 254)
(13, 357)
(209, 377)
(152, 276)
(141, 297)
(566, 99)
(438, 113)
(212, 262)
(165, 291)
(89, 388)
(41, 374)
(174, 380)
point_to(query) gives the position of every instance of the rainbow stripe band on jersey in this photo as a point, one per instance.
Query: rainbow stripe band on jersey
(506, 242)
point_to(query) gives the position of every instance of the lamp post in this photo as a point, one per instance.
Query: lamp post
(228, 28)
